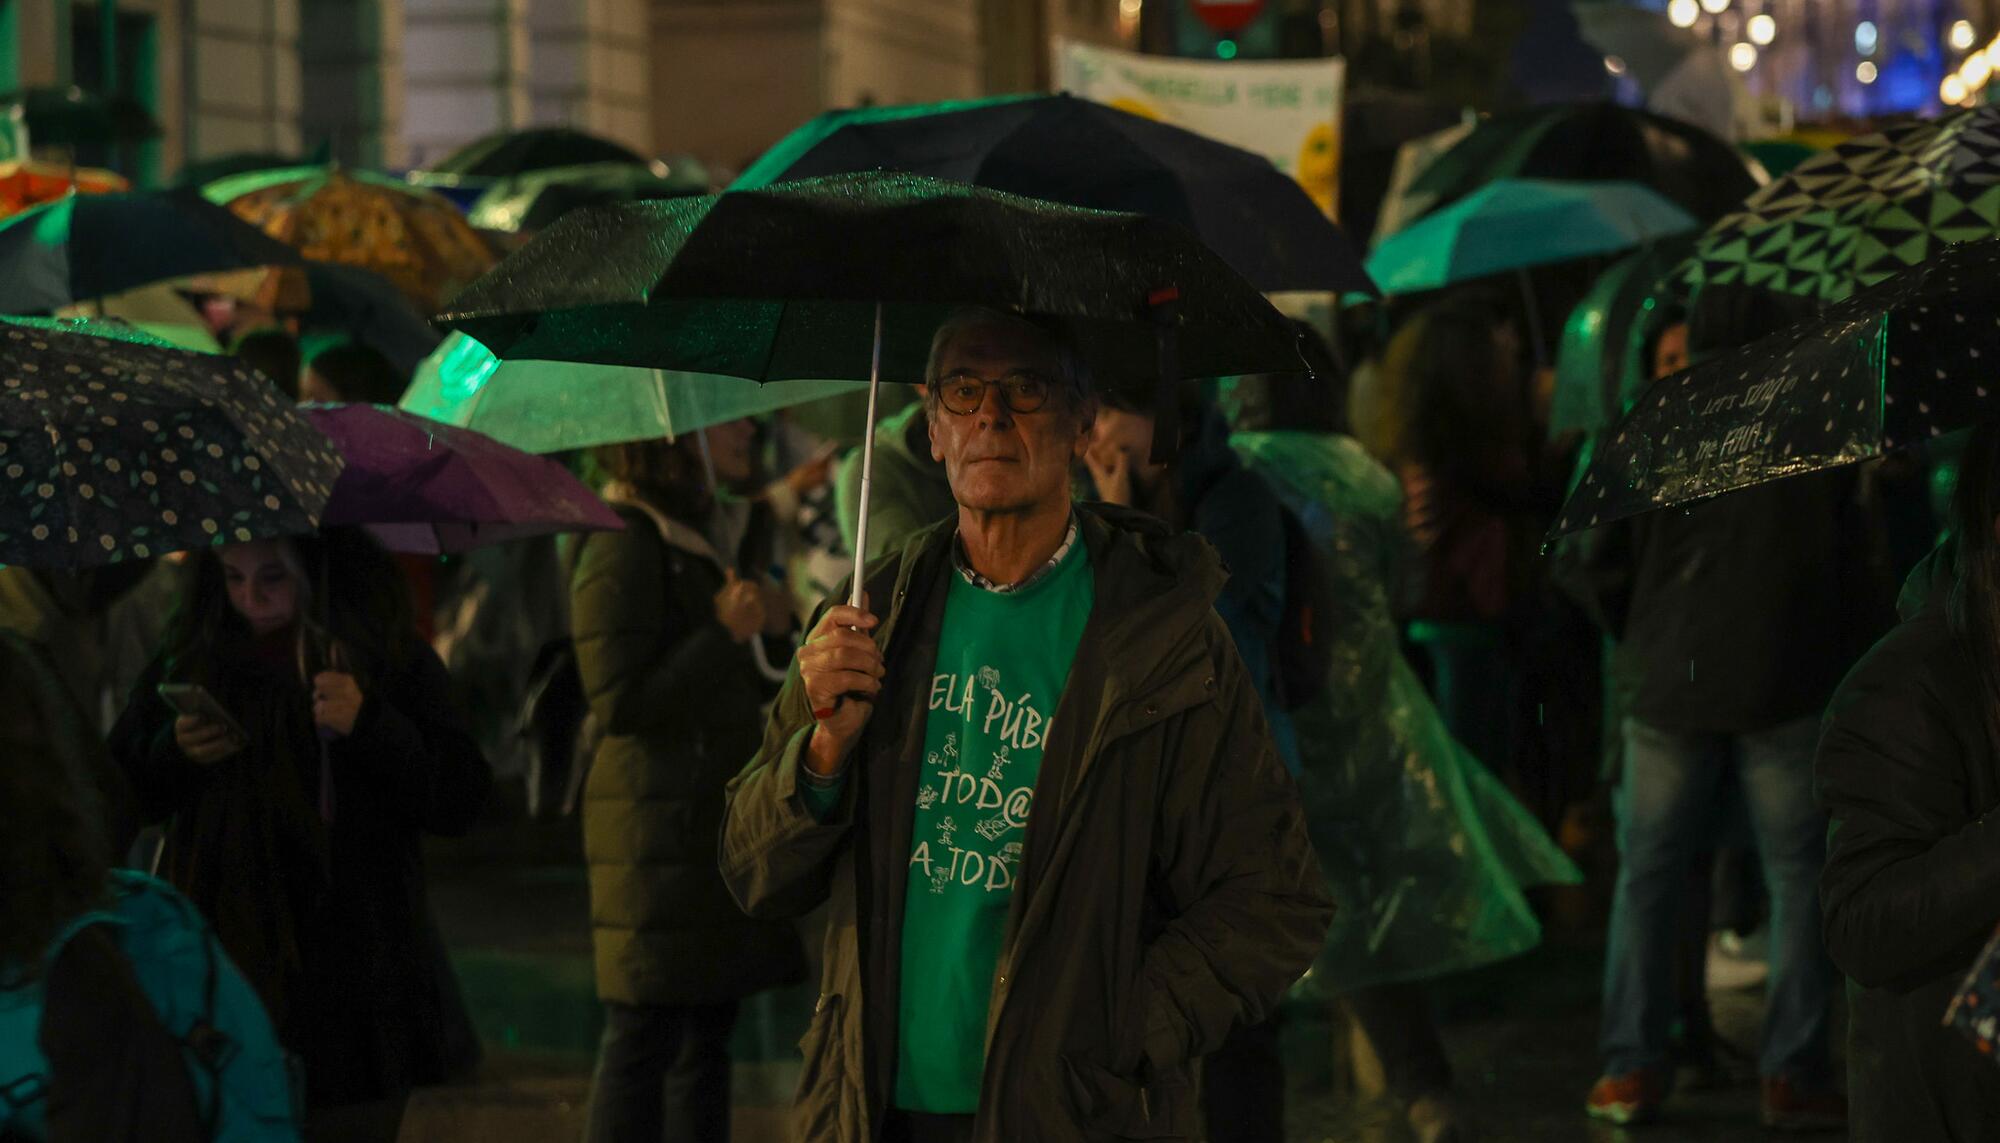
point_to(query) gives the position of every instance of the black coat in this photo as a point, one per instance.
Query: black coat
(1738, 614)
(331, 923)
(1911, 889)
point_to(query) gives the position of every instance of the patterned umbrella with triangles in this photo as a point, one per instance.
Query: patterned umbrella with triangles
(1868, 208)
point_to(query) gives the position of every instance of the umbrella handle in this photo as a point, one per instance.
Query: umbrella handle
(867, 466)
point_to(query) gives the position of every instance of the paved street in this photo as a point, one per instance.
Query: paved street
(1522, 1036)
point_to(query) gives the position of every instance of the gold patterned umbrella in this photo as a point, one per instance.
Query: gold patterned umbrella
(413, 237)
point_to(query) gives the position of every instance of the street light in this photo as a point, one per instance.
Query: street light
(1683, 13)
(1961, 35)
(1742, 56)
(1763, 29)
(1715, 7)
(1865, 71)
(1952, 90)
(1866, 37)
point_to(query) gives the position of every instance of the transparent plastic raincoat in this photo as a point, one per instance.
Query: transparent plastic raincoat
(1426, 852)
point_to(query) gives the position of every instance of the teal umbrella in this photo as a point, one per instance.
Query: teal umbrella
(553, 406)
(1513, 224)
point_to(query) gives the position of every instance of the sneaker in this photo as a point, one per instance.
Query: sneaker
(1633, 1097)
(1789, 1107)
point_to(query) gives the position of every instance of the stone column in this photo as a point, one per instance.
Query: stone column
(588, 68)
(465, 67)
(241, 84)
(351, 56)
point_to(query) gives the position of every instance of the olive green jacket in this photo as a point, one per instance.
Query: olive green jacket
(1167, 891)
(678, 704)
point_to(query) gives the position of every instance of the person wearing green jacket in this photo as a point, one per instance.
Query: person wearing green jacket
(664, 619)
(910, 491)
(1063, 861)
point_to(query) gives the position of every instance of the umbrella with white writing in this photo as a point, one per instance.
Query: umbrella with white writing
(1904, 361)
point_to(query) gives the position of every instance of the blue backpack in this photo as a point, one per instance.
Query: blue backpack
(242, 1077)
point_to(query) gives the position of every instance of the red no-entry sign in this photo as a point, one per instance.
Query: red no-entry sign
(1227, 16)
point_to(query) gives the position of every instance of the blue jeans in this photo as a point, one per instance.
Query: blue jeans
(1666, 803)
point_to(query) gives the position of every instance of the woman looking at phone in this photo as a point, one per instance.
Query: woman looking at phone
(315, 741)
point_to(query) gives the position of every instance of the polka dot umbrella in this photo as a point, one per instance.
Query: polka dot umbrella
(1910, 358)
(114, 446)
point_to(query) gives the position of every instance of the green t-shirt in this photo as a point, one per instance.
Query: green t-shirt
(1003, 658)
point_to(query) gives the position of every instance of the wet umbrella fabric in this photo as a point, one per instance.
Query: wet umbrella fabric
(1866, 208)
(414, 238)
(507, 153)
(1517, 223)
(1900, 363)
(116, 446)
(351, 302)
(529, 202)
(783, 283)
(555, 406)
(1595, 142)
(425, 487)
(83, 247)
(1069, 150)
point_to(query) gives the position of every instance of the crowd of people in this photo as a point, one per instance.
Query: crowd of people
(1161, 710)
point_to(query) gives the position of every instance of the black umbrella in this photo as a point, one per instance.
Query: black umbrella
(773, 284)
(84, 247)
(73, 117)
(1595, 141)
(116, 446)
(368, 308)
(507, 153)
(1897, 364)
(201, 172)
(787, 282)
(1075, 151)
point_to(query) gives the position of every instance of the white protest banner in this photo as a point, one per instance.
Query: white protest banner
(1285, 110)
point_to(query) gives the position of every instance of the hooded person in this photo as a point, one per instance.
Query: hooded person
(910, 491)
(1908, 768)
(1032, 788)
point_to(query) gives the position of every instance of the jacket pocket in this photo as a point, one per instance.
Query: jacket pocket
(1123, 1108)
(816, 1105)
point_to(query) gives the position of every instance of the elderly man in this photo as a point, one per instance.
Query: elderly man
(990, 973)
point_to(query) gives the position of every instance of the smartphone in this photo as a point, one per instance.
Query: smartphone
(193, 700)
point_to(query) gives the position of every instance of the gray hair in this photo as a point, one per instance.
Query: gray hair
(1070, 373)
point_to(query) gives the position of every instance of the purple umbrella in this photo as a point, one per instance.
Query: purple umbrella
(425, 487)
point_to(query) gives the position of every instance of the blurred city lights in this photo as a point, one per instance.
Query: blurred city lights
(1865, 37)
(1742, 56)
(1616, 66)
(1683, 13)
(1129, 8)
(1715, 7)
(1225, 49)
(1976, 71)
(1865, 71)
(1763, 29)
(1952, 90)
(1961, 35)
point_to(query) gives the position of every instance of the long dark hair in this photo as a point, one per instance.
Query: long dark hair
(669, 474)
(352, 589)
(1972, 609)
(1451, 399)
(53, 853)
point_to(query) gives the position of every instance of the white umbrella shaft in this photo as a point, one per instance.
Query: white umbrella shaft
(867, 466)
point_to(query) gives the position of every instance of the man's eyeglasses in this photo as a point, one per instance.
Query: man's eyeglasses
(962, 391)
